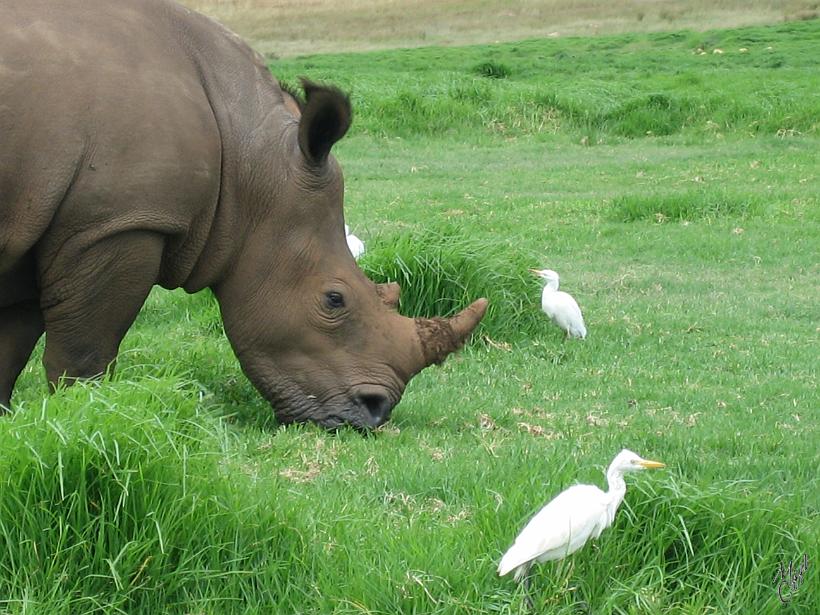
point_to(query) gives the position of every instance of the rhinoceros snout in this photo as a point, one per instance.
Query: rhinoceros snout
(375, 404)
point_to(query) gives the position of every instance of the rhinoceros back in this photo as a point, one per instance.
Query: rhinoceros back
(105, 127)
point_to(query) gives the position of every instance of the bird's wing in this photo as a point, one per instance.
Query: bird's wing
(571, 517)
(556, 303)
(569, 305)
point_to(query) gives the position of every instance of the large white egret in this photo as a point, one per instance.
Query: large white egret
(561, 308)
(577, 514)
(354, 244)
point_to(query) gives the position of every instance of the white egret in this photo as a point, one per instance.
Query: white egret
(577, 514)
(354, 244)
(561, 308)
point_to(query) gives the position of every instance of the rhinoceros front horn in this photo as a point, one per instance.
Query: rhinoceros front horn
(441, 336)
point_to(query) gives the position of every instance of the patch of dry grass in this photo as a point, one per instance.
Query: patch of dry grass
(296, 27)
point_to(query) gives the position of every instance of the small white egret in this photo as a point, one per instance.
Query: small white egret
(354, 244)
(561, 308)
(577, 514)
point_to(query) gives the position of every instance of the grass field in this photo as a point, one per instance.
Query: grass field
(676, 191)
(289, 27)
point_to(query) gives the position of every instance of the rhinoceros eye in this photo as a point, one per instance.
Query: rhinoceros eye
(334, 300)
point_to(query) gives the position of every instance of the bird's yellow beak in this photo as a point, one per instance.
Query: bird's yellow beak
(535, 271)
(649, 465)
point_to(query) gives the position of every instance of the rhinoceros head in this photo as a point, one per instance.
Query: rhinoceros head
(320, 340)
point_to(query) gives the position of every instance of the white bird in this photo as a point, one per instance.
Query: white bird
(562, 309)
(577, 514)
(354, 244)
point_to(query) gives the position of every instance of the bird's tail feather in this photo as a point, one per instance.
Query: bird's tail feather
(579, 331)
(505, 565)
(522, 571)
(509, 563)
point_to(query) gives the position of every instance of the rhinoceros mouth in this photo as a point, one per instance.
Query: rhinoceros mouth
(363, 407)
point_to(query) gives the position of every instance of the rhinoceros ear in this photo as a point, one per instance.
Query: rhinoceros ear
(325, 119)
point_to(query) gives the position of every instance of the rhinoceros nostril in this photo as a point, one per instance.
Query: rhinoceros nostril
(377, 404)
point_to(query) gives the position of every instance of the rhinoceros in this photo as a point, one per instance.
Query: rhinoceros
(143, 144)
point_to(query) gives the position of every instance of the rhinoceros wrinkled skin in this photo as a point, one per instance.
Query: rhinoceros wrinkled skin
(142, 143)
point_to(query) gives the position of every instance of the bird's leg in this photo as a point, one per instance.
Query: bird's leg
(581, 605)
(527, 597)
(565, 569)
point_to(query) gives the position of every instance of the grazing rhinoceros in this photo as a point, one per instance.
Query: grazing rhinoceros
(141, 143)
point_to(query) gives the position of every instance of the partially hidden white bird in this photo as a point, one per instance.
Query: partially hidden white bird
(354, 244)
(561, 308)
(577, 514)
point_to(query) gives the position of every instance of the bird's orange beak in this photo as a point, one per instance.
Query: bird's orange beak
(649, 465)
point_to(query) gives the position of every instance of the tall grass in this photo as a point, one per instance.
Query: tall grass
(697, 537)
(442, 270)
(704, 204)
(119, 498)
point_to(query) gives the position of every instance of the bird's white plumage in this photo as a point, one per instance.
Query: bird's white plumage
(576, 515)
(572, 518)
(559, 306)
(354, 244)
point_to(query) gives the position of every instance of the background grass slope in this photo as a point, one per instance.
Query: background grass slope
(749, 81)
(693, 251)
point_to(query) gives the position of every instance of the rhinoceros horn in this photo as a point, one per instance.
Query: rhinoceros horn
(441, 336)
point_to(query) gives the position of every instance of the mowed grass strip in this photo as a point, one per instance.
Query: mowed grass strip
(168, 488)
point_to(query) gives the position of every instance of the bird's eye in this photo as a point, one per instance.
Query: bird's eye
(334, 300)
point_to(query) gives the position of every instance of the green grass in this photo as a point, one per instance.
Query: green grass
(442, 270)
(602, 88)
(687, 205)
(693, 252)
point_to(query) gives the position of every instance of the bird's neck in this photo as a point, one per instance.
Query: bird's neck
(551, 285)
(616, 493)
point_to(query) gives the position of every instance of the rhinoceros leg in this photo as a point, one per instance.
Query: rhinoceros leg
(21, 325)
(90, 299)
